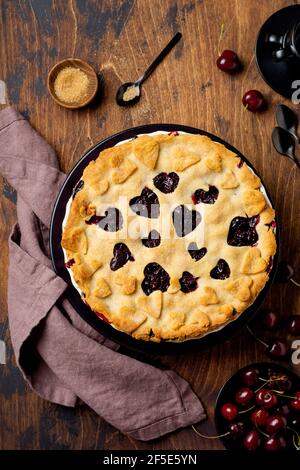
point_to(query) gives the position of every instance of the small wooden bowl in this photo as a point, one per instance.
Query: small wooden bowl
(86, 68)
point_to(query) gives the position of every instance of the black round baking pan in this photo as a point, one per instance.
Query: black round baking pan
(227, 394)
(58, 261)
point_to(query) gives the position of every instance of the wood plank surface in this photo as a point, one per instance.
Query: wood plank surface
(120, 38)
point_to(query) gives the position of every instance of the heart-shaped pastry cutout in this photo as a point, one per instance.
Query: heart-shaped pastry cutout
(128, 319)
(188, 282)
(166, 182)
(145, 205)
(153, 239)
(185, 220)
(176, 320)
(102, 288)
(221, 271)
(151, 304)
(127, 283)
(156, 278)
(254, 202)
(253, 263)
(206, 197)
(195, 252)
(229, 181)
(146, 149)
(240, 288)
(182, 158)
(208, 296)
(242, 231)
(111, 221)
(122, 254)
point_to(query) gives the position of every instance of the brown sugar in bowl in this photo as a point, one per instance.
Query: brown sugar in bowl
(92, 86)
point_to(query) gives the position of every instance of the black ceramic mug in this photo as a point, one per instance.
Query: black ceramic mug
(289, 43)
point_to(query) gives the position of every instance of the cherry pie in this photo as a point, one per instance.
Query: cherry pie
(169, 236)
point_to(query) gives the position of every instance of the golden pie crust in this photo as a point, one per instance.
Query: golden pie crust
(120, 174)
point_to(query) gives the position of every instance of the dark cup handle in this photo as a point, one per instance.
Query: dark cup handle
(275, 39)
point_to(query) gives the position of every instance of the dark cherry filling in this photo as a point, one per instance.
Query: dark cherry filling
(78, 187)
(146, 205)
(207, 197)
(122, 254)
(195, 252)
(153, 239)
(185, 220)
(174, 133)
(221, 271)
(272, 225)
(94, 220)
(242, 231)
(188, 283)
(156, 278)
(111, 221)
(241, 163)
(69, 263)
(166, 182)
(103, 317)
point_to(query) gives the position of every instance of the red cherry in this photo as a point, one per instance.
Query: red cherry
(294, 325)
(228, 62)
(270, 319)
(275, 423)
(259, 417)
(237, 430)
(252, 440)
(295, 404)
(243, 396)
(277, 349)
(229, 411)
(253, 100)
(275, 443)
(283, 410)
(266, 399)
(250, 376)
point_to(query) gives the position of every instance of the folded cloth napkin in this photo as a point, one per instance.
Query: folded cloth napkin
(61, 357)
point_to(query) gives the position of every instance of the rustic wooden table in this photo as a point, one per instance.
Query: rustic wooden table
(119, 38)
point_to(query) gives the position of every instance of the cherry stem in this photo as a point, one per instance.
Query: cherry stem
(209, 437)
(248, 409)
(220, 37)
(282, 394)
(260, 430)
(272, 380)
(295, 432)
(259, 388)
(294, 282)
(254, 336)
(295, 444)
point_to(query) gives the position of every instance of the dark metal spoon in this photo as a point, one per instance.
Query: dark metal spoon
(134, 94)
(284, 143)
(287, 119)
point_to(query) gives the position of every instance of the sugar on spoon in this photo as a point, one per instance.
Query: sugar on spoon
(129, 93)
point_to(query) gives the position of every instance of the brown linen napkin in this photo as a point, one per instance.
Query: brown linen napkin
(61, 357)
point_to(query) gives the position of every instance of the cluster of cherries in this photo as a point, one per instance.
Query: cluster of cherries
(229, 62)
(278, 348)
(265, 412)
